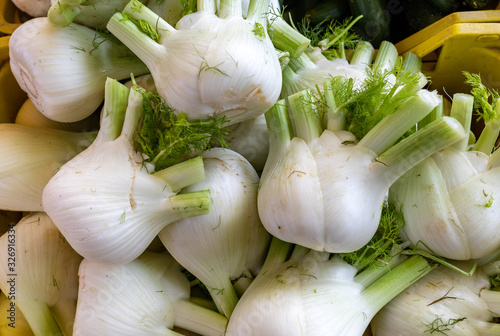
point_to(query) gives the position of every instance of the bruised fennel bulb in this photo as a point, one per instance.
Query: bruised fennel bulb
(71, 90)
(39, 274)
(105, 202)
(212, 64)
(323, 192)
(229, 242)
(147, 296)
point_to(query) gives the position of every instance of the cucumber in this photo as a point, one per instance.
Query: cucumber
(481, 4)
(444, 6)
(419, 14)
(375, 24)
(325, 11)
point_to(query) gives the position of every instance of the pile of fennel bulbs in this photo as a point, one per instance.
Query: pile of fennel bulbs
(275, 219)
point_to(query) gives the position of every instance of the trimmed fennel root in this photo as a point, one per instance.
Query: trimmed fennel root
(211, 64)
(105, 201)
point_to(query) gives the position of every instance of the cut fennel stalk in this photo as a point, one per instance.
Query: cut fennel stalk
(211, 64)
(314, 185)
(105, 201)
(312, 293)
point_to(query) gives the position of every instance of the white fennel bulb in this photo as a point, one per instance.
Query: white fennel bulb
(229, 242)
(443, 301)
(251, 139)
(72, 90)
(322, 191)
(448, 200)
(147, 296)
(32, 155)
(29, 115)
(313, 293)
(40, 274)
(212, 64)
(105, 201)
(34, 8)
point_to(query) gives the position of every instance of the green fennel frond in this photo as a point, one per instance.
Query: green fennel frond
(376, 98)
(188, 6)
(485, 99)
(494, 281)
(379, 249)
(332, 36)
(167, 137)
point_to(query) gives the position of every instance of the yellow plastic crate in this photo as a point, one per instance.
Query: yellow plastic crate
(10, 17)
(461, 41)
(11, 95)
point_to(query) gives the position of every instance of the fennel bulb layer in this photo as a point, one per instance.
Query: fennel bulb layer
(32, 155)
(222, 246)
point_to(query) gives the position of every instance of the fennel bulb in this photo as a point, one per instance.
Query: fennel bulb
(147, 296)
(31, 156)
(229, 242)
(320, 190)
(73, 89)
(251, 139)
(39, 274)
(313, 293)
(443, 301)
(212, 64)
(36, 8)
(29, 115)
(448, 200)
(105, 201)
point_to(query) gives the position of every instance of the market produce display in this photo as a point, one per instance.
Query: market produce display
(223, 168)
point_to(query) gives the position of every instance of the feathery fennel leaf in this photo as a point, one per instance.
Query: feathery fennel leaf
(485, 99)
(331, 36)
(167, 138)
(375, 99)
(379, 249)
